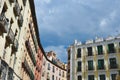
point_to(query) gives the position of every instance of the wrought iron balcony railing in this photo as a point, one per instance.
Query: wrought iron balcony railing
(3, 23)
(111, 51)
(15, 45)
(90, 68)
(28, 69)
(79, 69)
(10, 37)
(113, 66)
(30, 52)
(90, 54)
(101, 67)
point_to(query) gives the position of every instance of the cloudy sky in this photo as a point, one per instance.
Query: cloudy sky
(62, 21)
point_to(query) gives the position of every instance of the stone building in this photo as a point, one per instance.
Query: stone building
(19, 41)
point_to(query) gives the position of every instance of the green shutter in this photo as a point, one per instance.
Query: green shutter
(99, 63)
(90, 65)
(100, 49)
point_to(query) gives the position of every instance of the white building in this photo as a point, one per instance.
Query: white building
(51, 70)
(97, 59)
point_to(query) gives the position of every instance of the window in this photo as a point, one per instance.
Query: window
(111, 48)
(113, 63)
(63, 74)
(43, 73)
(100, 64)
(24, 2)
(79, 77)
(89, 51)
(59, 72)
(5, 7)
(90, 65)
(53, 69)
(78, 53)
(113, 76)
(48, 76)
(100, 49)
(48, 66)
(79, 66)
(90, 77)
(102, 77)
(52, 77)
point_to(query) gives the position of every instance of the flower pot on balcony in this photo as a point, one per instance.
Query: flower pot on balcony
(3, 24)
(15, 46)
(16, 9)
(10, 37)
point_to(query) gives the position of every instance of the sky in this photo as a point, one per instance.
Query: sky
(63, 21)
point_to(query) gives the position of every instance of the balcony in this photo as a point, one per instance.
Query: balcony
(79, 69)
(79, 55)
(10, 37)
(16, 9)
(90, 68)
(31, 75)
(10, 73)
(112, 51)
(30, 52)
(63, 75)
(20, 20)
(111, 48)
(48, 77)
(3, 23)
(90, 54)
(33, 36)
(113, 66)
(101, 67)
(15, 45)
(90, 51)
(12, 1)
(24, 2)
(38, 68)
(28, 69)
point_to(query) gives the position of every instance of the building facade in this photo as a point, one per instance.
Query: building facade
(51, 70)
(38, 70)
(19, 40)
(97, 59)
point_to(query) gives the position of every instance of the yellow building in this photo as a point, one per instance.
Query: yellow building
(18, 40)
(97, 59)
